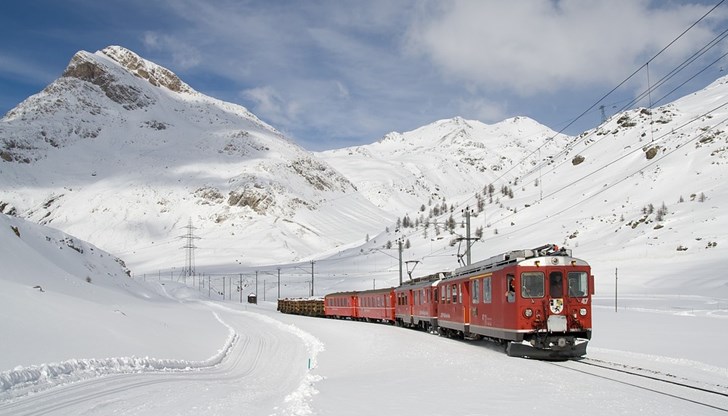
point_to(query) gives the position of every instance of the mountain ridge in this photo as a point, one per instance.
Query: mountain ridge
(256, 198)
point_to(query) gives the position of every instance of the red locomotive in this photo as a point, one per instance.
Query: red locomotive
(537, 302)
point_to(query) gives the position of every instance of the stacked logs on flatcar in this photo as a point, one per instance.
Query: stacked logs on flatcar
(302, 306)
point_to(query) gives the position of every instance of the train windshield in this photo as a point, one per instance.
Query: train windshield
(532, 285)
(556, 288)
(578, 284)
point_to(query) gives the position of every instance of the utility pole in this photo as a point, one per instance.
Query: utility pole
(279, 283)
(615, 289)
(312, 263)
(467, 233)
(467, 212)
(399, 244)
(256, 284)
(240, 287)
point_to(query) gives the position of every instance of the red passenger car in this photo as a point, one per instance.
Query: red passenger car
(538, 301)
(376, 305)
(341, 305)
(417, 302)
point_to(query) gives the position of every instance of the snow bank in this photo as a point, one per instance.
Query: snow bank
(40, 377)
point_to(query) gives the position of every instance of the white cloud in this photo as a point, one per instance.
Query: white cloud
(20, 68)
(482, 109)
(183, 55)
(540, 46)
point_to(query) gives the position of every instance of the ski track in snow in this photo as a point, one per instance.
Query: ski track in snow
(124, 373)
(40, 377)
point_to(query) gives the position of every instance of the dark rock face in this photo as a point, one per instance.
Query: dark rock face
(129, 96)
(154, 74)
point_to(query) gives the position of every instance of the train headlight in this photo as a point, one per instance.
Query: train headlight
(528, 313)
(582, 311)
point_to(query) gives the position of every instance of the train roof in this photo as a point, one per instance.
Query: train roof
(361, 292)
(549, 254)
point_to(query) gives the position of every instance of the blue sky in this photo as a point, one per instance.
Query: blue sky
(339, 73)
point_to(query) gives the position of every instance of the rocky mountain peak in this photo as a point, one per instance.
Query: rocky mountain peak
(96, 69)
(155, 74)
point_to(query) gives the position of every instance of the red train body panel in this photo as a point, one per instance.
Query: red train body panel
(341, 305)
(417, 302)
(370, 305)
(376, 305)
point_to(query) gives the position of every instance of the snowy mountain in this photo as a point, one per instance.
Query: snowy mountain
(446, 159)
(121, 152)
(647, 185)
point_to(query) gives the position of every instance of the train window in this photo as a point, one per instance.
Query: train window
(556, 286)
(454, 293)
(510, 288)
(434, 294)
(476, 290)
(578, 284)
(486, 290)
(532, 284)
(445, 296)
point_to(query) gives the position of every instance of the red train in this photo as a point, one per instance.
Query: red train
(537, 302)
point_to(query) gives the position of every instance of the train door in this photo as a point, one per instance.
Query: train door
(504, 296)
(410, 304)
(465, 301)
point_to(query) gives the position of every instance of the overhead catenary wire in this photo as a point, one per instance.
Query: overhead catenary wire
(573, 142)
(680, 67)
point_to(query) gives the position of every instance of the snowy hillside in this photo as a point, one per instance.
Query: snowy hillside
(446, 159)
(95, 342)
(58, 290)
(648, 185)
(121, 152)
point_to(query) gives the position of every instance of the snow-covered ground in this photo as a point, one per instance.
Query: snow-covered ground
(116, 345)
(291, 365)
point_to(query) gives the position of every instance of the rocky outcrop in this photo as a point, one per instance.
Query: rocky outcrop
(155, 74)
(85, 68)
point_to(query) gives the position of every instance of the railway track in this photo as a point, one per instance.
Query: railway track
(714, 396)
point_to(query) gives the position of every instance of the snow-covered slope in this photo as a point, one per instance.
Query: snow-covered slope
(119, 151)
(63, 298)
(122, 153)
(446, 159)
(644, 192)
